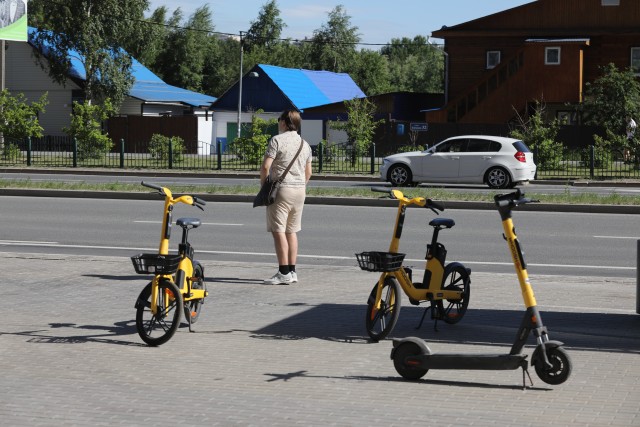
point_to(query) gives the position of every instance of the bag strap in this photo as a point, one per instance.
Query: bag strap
(286, 171)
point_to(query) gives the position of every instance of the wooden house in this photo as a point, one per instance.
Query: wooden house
(498, 66)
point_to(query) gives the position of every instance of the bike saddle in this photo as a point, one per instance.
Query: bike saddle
(442, 222)
(188, 222)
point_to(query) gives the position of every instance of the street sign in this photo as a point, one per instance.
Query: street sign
(419, 127)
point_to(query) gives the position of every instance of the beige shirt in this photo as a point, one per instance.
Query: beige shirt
(281, 149)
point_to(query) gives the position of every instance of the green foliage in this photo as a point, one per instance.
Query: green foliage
(611, 98)
(266, 30)
(540, 136)
(409, 148)
(18, 119)
(252, 147)
(160, 145)
(11, 152)
(97, 32)
(360, 127)
(86, 129)
(333, 46)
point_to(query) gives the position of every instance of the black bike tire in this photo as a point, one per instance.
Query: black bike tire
(195, 306)
(143, 306)
(390, 290)
(460, 307)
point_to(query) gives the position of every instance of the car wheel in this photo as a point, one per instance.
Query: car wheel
(399, 175)
(498, 178)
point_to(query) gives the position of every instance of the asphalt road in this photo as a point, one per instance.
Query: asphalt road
(572, 244)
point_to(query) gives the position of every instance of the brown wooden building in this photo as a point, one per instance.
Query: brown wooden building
(546, 51)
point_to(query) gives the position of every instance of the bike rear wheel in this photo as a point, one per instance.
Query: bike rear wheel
(456, 278)
(156, 329)
(380, 322)
(194, 307)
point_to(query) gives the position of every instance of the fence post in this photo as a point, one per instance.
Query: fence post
(320, 155)
(75, 152)
(121, 153)
(170, 153)
(219, 153)
(373, 158)
(29, 151)
(592, 163)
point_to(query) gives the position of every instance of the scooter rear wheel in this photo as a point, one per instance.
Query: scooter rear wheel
(382, 321)
(561, 370)
(403, 351)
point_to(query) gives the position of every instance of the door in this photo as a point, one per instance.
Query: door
(442, 162)
(478, 156)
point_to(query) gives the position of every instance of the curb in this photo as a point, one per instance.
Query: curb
(311, 200)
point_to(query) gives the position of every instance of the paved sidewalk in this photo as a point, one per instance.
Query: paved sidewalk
(298, 354)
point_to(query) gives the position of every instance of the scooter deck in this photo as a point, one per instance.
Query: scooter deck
(468, 361)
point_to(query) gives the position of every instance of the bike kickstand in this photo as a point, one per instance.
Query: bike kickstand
(187, 314)
(524, 381)
(423, 316)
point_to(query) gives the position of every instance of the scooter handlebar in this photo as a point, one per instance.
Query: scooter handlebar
(432, 204)
(149, 185)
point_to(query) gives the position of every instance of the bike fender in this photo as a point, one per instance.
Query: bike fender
(455, 264)
(418, 341)
(537, 354)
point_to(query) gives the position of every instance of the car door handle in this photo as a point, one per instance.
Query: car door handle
(455, 158)
(486, 157)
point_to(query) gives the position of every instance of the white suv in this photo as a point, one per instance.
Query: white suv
(472, 159)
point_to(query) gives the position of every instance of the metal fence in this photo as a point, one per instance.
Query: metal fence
(575, 163)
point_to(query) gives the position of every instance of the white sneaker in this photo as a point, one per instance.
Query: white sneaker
(294, 277)
(279, 279)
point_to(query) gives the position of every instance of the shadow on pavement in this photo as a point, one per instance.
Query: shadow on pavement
(346, 323)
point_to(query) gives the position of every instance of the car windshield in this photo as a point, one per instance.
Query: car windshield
(521, 146)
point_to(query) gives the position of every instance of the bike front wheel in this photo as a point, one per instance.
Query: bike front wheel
(380, 322)
(456, 278)
(156, 329)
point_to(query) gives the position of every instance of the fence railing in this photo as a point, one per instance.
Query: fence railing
(583, 163)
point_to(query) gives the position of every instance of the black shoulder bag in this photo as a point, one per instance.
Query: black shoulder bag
(269, 190)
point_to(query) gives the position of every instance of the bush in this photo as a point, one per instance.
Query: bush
(409, 148)
(11, 152)
(86, 129)
(159, 147)
(252, 148)
(540, 137)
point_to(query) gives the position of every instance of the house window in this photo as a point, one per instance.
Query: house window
(493, 59)
(552, 55)
(635, 60)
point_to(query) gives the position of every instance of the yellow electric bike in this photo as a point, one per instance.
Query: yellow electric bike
(178, 283)
(444, 286)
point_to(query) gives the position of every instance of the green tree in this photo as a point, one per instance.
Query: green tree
(93, 33)
(251, 148)
(160, 146)
(611, 98)
(370, 72)
(86, 129)
(184, 57)
(18, 118)
(265, 31)
(415, 65)
(540, 136)
(360, 126)
(608, 101)
(333, 46)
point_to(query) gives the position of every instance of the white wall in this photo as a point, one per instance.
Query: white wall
(23, 75)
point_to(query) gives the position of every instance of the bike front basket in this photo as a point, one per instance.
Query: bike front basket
(155, 264)
(380, 261)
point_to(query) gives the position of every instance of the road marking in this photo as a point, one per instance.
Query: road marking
(270, 254)
(617, 237)
(204, 223)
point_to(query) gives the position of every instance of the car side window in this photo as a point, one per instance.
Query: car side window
(483, 146)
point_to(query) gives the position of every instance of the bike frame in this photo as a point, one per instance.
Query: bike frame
(184, 274)
(433, 265)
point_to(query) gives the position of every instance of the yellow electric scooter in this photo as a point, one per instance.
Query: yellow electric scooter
(412, 358)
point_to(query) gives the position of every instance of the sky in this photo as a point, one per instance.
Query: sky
(378, 21)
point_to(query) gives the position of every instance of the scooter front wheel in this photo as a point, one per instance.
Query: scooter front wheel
(400, 353)
(561, 366)
(380, 322)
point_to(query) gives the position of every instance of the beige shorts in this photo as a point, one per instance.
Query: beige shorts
(285, 215)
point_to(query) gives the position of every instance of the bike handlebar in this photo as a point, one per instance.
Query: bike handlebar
(196, 201)
(512, 199)
(430, 204)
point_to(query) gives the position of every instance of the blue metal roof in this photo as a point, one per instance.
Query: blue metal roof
(307, 88)
(147, 86)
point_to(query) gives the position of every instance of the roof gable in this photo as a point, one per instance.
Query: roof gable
(146, 86)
